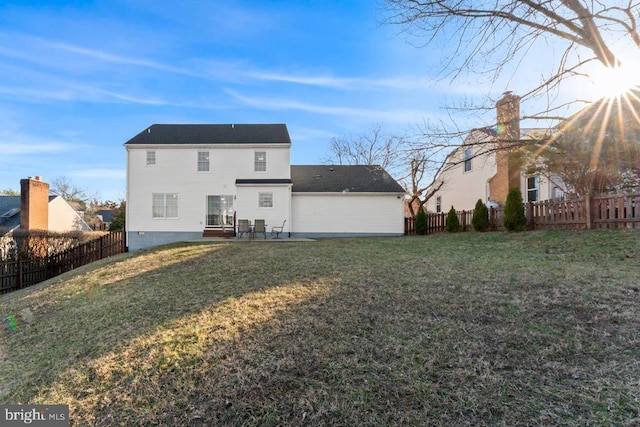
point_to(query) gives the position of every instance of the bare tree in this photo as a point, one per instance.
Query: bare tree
(492, 37)
(63, 187)
(374, 147)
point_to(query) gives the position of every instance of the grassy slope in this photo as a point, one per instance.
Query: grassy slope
(496, 328)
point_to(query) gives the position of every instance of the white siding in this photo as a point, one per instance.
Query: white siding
(176, 172)
(247, 204)
(63, 218)
(345, 213)
(462, 189)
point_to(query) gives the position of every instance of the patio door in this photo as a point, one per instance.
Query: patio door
(220, 211)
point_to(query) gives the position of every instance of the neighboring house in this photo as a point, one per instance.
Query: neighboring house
(105, 216)
(35, 209)
(482, 169)
(186, 181)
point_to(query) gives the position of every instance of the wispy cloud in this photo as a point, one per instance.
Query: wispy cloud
(84, 93)
(101, 173)
(25, 145)
(401, 116)
(349, 83)
(118, 59)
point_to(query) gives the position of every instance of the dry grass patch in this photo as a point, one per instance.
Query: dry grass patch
(468, 329)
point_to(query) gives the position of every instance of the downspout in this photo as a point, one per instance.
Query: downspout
(126, 199)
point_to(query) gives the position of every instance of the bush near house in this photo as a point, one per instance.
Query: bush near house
(480, 219)
(514, 217)
(421, 222)
(452, 224)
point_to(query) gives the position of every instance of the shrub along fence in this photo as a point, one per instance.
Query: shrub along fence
(618, 211)
(20, 274)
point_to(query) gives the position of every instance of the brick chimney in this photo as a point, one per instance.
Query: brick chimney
(34, 204)
(508, 135)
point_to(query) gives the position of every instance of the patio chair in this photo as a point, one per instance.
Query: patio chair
(278, 229)
(243, 227)
(260, 227)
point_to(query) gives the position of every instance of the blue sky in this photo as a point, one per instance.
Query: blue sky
(79, 78)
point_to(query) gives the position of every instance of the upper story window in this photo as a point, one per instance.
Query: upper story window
(151, 158)
(533, 185)
(467, 159)
(265, 200)
(260, 161)
(203, 161)
(438, 204)
(164, 205)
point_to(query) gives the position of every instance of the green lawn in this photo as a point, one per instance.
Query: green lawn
(539, 328)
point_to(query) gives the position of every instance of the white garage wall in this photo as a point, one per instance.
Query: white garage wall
(315, 214)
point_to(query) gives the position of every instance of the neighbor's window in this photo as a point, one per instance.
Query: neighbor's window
(151, 158)
(265, 200)
(532, 188)
(165, 205)
(467, 159)
(203, 161)
(260, 161)
(438, 204)
(558, 194)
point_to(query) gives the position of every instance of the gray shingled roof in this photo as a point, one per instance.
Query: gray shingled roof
(212, 134)
(351, 178)
(7, 205)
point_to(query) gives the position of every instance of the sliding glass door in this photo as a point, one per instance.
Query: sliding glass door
(220, 211)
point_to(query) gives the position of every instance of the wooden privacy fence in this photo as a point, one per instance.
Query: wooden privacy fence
(20, 274)
(550, 214)
(622, 211)
(436, 221)
(617, 211)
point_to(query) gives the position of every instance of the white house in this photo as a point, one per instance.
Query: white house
(486, 165)
(186, 181)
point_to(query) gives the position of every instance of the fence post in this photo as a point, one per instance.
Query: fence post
(587, 207)
(19, 276)
(532, 224)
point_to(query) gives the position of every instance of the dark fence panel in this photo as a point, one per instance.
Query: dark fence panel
(23, 273)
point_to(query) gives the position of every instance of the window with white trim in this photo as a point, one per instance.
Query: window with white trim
(203, 161)
(265, 200)
(260, 161)
(533, 185)
(164, 205)
(467, 159)
(438, 204)
(151, 158)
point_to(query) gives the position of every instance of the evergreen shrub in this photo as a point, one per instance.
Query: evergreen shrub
(514, 217)
(421, 222)
(452, 223)
(480, 219)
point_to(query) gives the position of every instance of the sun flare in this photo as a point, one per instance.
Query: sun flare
(614, 82)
